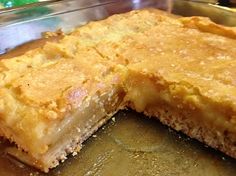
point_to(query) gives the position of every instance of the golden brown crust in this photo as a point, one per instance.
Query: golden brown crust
(181, 107)
(206, 25)
(194, 129)
(45, 85)
(190, 60)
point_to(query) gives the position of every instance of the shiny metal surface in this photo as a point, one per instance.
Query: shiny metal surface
(130, 144)
(219, 14)
(133, 145)
(24, 24)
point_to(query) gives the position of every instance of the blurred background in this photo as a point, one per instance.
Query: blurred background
(15, 3)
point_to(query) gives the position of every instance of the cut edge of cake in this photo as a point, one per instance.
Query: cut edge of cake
(174, 118)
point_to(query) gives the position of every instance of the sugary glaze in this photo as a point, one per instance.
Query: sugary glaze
(147, 56)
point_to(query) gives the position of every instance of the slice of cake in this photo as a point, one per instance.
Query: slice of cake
(180, 70)
(54, 97)
(49, 111)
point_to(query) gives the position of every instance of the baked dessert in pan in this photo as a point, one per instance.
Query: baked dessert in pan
(179, 70)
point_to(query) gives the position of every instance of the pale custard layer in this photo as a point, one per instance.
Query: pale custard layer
(41, 88)
(146, 56)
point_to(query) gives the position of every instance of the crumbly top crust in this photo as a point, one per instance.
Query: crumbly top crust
(45, 85)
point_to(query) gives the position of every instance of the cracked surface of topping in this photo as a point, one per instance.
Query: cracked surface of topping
(41, 88)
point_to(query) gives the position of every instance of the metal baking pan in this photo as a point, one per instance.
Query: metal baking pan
(130, 143)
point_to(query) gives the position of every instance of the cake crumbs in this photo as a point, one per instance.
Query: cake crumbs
(74, 153)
